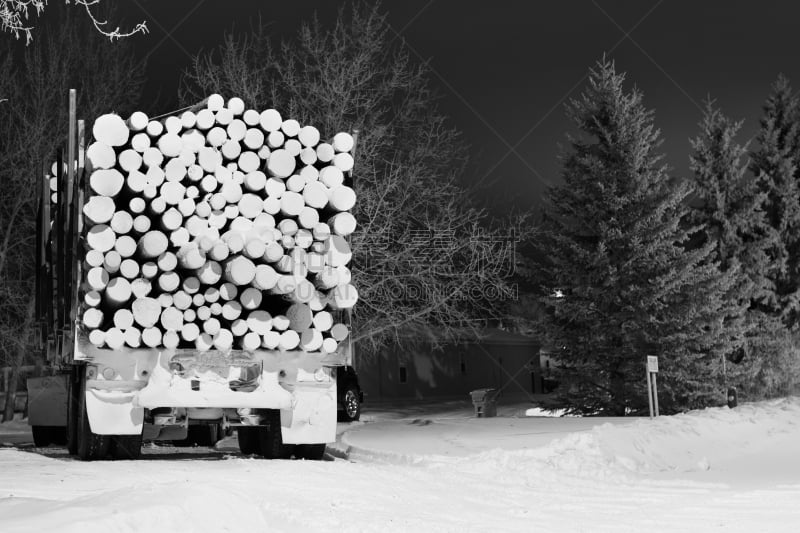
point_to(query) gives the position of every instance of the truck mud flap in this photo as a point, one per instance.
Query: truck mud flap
(113, 412)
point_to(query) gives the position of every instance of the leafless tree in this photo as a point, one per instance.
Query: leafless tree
(428, 262)
(33, 123)
(16, 16)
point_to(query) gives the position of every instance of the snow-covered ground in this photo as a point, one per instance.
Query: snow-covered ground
(435, 468)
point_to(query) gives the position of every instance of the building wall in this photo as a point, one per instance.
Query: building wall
(453, 372)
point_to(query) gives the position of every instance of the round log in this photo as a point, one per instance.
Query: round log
(181, 299)
(191, 257)
(115, 338)
(92, 298)
(215, 102)
(231, 310)
(94, 258)
(97, 337)
(111, 130)
(169, 281)
(190, 332)
(151, 337)
(189, 315)
(308, 156)
(237, 130)
(290, 340)
(295, 183)
(259, 321)
(123, 319)
(106, 182)
(101, 238)
(254, 139)
(311, 340)
(101, 156)
(152, 158)
(99, 209)
(308, 136)
(146, 311)
(188, 120)
(141, 287)
(133, 337)
(209, 159)
(130, 160)
(248, 162)
(172, 319)
(112, 261)
(290, 127)
(118, 291)
(173, 124)
(329, 345)
(137, 205)
(270, 120)
(240, 271)
(343, 162)
(138, 121)
(281, 164)
(228, 291)
(270, 340)
(331, 176)
(343, 224)
(337, 251)
(92, 318)
(154, 128)
(265, 277)
(129, 268)
(140, 142)
(291, 204)
(121, 222)
(152, 244)
(210, 273)
(315, 195)
(280, 322)
(339, 332)
(343, 142)
(203, 311)
(293, 146)
(205, 119)
(325, 152)
(223, 340)
(170, 340)
(251, 341)
(327, 278)
(323, 320)
(250, 298)
(141, 224)
(300, 317)
(165, 300)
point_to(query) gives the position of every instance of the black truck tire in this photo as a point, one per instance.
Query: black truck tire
(270, 440)
(91, 446)
(41, 436)
(248, 439)
(126, 446)
(310, 452)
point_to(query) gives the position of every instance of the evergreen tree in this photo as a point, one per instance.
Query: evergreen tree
(619, 280)
(775, 164)
(728, 203)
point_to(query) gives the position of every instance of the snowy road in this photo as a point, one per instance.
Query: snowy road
(715, 470)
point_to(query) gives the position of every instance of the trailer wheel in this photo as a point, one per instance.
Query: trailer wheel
(91, 446)
(126, 446)
(248, 439)
(41, 436)
(311, 452)
(270, 440)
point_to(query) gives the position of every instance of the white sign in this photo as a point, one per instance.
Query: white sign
(652, 363)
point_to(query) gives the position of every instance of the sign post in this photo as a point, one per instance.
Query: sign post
(652, 385)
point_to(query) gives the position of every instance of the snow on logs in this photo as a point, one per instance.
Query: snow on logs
(219, 228)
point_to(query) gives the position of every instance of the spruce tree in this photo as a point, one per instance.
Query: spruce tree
(775, 164)
(619, 279)
(728, 203)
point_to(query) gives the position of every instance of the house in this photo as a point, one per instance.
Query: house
(500, 360)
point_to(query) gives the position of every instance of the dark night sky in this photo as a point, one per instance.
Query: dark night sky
(505, 67)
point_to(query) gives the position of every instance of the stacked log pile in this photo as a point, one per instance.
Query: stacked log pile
(223, 227)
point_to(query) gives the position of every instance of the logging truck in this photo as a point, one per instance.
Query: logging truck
(192, 275)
